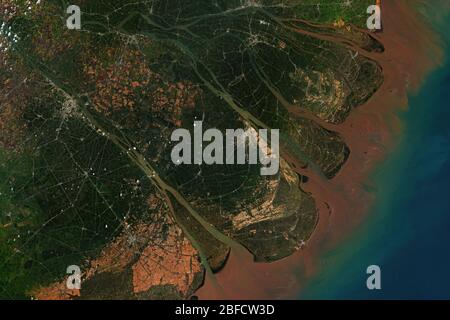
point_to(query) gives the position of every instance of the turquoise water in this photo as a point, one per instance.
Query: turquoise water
(408, 232)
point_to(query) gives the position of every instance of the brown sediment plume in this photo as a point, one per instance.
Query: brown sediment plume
(411, 51)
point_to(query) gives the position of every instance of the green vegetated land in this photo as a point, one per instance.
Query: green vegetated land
(351, 11)
(86, 118)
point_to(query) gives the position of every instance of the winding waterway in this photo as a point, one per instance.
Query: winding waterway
(407, 232)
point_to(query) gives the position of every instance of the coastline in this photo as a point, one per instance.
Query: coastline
(371, 131)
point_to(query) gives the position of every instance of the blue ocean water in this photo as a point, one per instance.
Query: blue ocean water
(408, 232)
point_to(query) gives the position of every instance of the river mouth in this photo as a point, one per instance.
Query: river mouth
(90, 182)
(372, 133)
